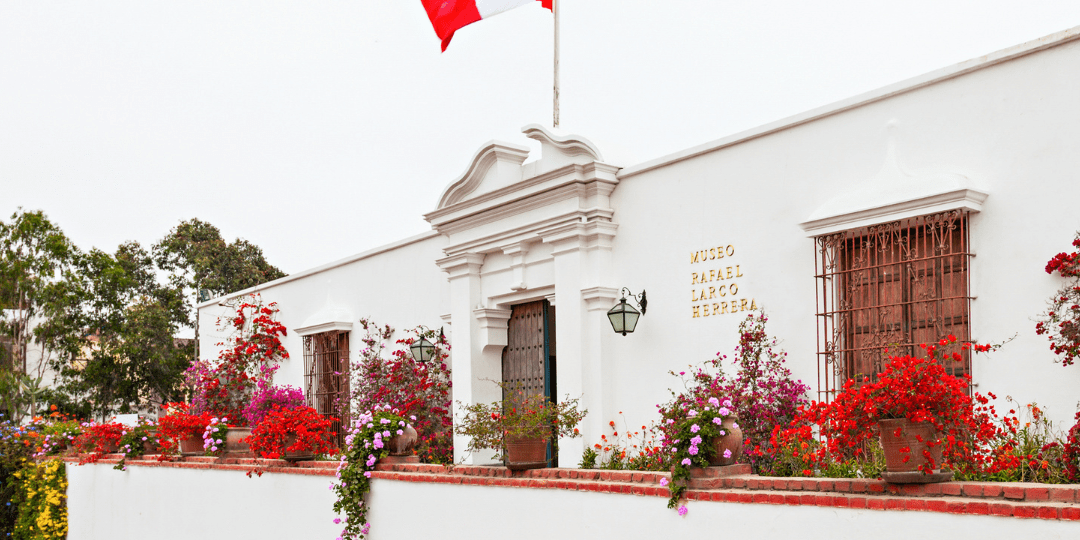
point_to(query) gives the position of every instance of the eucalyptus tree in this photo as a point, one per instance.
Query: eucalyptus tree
(37, 265)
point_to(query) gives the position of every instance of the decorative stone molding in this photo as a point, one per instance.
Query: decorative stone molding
(497, 162)
(492, 326)
(580, 235)
(599, 298)
(893, 194)
(518, 251)
(326, 320)
(461, 265)
(324, 327)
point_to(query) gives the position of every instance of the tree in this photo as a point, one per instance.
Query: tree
(200, 260)
(130, 358)
(36, 267)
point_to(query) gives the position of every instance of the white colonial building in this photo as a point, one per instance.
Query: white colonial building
(922, 209)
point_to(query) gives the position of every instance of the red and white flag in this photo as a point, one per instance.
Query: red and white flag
(448, 16)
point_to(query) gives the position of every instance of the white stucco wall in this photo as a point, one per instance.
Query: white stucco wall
(1010, 127)
(169, 503)
(404, 509)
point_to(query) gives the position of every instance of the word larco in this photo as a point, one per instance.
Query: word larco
(713, 292)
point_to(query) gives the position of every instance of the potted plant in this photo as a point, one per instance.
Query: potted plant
(920, 413)
(520, 426)
(59, 435)
(292, 433)
(366, 442)
(137, 441)
(99, 439)
(180, 431)
(701, 432)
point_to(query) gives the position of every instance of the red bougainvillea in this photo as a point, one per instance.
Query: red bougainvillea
(420, 391)
(224, 388)
(1061, 321)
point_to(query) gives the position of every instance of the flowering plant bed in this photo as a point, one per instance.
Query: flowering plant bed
(98, 439)
(41, 499)
(179, 425)
(366, 443)
(519, 416)
(136, 441)
(224, 388)
(59, 434)
(287, 431)
(416, 389)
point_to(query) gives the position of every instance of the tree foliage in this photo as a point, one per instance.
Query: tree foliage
(199, 258)
(105, 323)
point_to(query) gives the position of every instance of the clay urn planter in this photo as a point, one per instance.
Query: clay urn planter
(150, 445)
(732, 441)
(898, 433)
(191, 446)
(290, 440)
(234, 440)
(402, 445)
(526, 453)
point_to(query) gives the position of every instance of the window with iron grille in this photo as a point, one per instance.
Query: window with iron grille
(326, 376)
(884, 289)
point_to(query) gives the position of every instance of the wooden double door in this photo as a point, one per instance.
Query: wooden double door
(528, 361)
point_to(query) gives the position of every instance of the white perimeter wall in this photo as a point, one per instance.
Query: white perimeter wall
(412, 510)
(166, 503)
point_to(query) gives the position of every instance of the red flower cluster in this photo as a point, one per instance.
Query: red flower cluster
(1061, 322)
(293, 430)
(178, 425)
(225, 388)
(1067, 264)
(919, 389)
(98, 439)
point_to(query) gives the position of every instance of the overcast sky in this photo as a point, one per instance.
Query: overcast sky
(318, 129)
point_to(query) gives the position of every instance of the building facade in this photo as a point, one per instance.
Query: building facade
(922, 209)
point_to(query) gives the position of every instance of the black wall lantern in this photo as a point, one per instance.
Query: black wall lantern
(623, 316)
(422, 350)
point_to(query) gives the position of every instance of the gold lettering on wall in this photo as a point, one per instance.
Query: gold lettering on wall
(700, 298)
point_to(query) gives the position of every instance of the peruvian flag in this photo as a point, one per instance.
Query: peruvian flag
(448, 16)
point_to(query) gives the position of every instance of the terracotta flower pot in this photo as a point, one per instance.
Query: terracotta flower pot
(402, 445)
(731, 441)
(150, 445)
(290, 440)
(191, 446)
(901, 433)
(234, 440)
(524, 454)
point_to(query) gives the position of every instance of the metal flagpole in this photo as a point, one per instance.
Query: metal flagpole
(555, 13)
